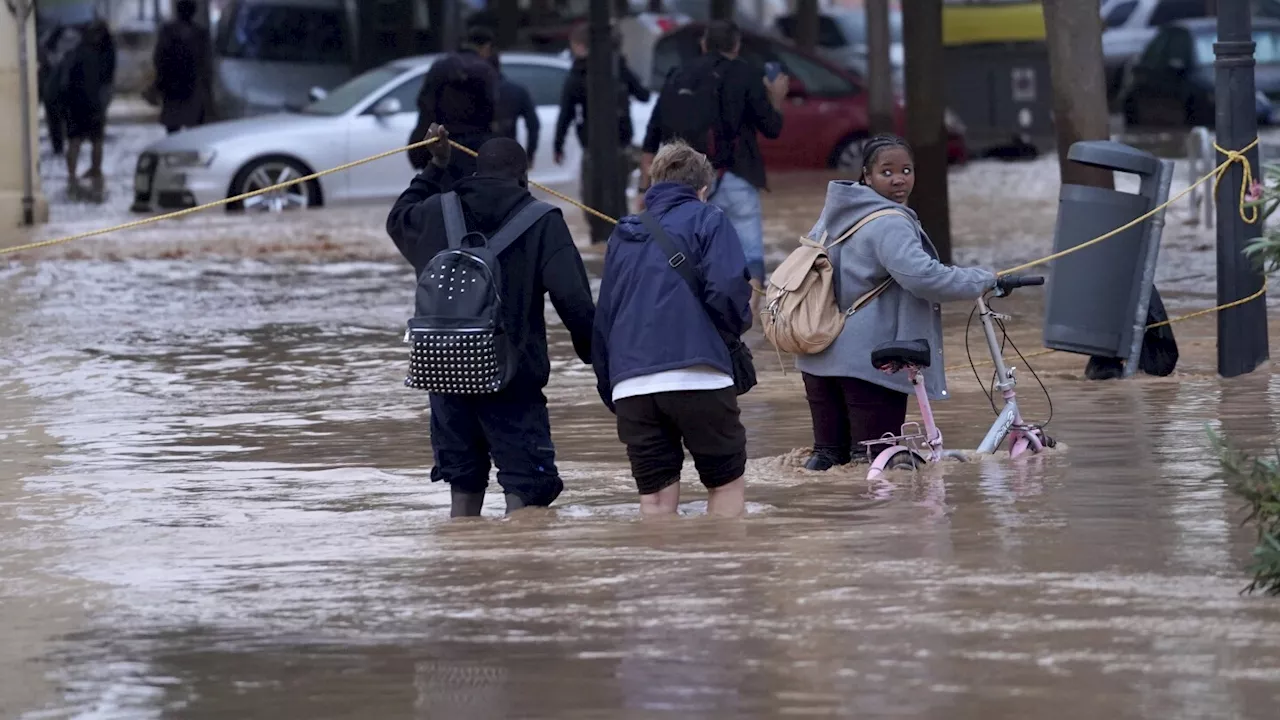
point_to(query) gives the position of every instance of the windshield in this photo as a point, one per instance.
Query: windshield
(348, 94)
(284, 33)
(1267, 51)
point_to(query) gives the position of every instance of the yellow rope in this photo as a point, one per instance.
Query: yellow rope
(1180, 318)
(548, 190)
(1216, 174)
(216, 203)
(1237, 156)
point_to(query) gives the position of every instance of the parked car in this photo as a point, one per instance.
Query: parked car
(842, 39)
(1172, 83)
(372, 113)
(826, 118)
(269, 53)
(1129, 26)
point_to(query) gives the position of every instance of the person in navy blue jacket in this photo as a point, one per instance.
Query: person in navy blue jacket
(661, 363)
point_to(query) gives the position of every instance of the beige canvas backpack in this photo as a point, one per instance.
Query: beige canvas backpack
(801, 315)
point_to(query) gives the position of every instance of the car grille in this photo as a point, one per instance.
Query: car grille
(144, 178)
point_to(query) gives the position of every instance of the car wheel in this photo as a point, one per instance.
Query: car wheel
(848, 158)
(269, 171)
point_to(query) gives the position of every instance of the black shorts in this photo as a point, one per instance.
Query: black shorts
(707, 421)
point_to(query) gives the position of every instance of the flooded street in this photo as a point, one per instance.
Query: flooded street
(215, 503)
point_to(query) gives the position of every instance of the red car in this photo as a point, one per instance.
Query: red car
(826, 114)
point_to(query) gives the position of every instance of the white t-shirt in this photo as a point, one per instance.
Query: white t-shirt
(698, 377)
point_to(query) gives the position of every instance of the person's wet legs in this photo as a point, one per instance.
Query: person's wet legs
(873, 411)
(728, 500)
(831, 434)
(461, 453)
(740, 201)
(518, 430)
(664, 502)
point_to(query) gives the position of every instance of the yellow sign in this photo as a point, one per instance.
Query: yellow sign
(977, 24)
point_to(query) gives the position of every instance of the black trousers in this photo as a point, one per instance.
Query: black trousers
(847, 411)
(511, 427)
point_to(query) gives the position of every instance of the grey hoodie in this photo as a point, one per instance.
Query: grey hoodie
(908, 310)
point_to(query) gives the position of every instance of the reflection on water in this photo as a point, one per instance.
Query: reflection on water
(214, 503)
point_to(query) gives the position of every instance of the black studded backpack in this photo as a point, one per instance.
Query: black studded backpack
(459, 344)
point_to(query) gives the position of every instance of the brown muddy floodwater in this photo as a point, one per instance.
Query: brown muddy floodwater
(214, 503)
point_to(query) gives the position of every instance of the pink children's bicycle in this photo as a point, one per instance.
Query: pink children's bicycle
(917, 446)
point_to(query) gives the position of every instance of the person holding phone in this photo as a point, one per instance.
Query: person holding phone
(747, 105)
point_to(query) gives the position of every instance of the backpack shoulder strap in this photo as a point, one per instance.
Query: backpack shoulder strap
(863, 223)
(455, 224)
(518, 225)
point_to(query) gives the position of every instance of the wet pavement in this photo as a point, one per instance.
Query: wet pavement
(214, 503)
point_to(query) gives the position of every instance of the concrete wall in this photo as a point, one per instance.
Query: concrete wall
(11, 123)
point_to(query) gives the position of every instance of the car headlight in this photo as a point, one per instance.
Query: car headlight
(953, 122)
(187, 158)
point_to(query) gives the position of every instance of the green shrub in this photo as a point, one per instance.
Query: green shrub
(1257, 482)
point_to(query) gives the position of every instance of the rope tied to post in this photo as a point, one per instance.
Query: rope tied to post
(1246, 182)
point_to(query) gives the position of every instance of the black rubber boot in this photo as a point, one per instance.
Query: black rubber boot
(514, 503)
(823, 459)
(466, 504)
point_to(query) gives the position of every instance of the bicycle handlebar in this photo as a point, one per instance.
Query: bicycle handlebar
(1009, 283)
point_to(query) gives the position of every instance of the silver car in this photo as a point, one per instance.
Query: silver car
(370, 114)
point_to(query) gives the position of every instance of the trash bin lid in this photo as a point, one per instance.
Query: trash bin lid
(1114, 156)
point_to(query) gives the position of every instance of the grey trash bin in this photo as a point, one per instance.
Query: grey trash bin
(1093, 293)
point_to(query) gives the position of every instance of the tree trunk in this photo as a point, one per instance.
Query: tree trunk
(879, 67)
(806, 24)
(508, 12)
(1074, 35)
(721, 9)
(926, 129)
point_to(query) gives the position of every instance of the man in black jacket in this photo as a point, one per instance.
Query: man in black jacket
(573, 111)
(515, 103)
(460, 92)
(749, 105)
(512, 425)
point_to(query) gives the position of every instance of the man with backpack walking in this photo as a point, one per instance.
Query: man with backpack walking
(460, 92)
(485, 253)
(717, 104)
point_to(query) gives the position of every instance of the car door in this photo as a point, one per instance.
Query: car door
(369, 133)
(822, 110)
(545, 83)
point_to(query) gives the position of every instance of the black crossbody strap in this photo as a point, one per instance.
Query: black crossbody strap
(675, 257)
(682, 264)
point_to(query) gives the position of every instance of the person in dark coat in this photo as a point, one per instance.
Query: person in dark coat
(658, 348)
(460, 92)
(54, 52)
(573, 111)
(90, 74)
(510, 426)
(184, 70)
(515, 103)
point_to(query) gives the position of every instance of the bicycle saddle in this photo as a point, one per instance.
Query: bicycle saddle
(901, 353)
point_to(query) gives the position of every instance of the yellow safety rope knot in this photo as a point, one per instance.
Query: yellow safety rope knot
(1238, 156)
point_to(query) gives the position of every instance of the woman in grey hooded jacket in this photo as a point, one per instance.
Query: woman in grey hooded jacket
(850, 400)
